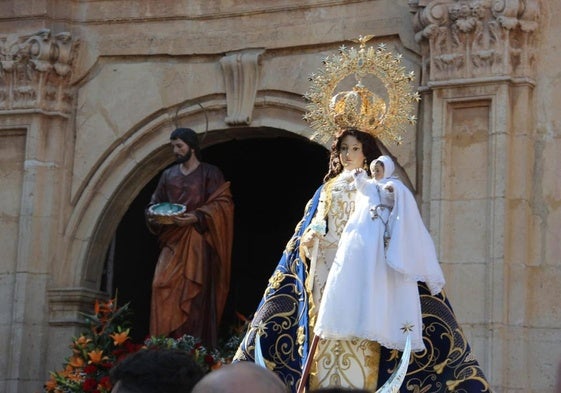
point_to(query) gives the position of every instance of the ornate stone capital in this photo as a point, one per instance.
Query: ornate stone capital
(35, 71)
(465, 39)
(241, 78)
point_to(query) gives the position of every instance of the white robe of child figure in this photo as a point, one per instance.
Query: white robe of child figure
(371, 290)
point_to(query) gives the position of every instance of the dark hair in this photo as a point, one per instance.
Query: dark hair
(369, 149)
(188, 136)
(157, 370)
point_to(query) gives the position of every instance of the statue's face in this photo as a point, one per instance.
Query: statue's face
(350, 153)
(181, 150)
(378, 171)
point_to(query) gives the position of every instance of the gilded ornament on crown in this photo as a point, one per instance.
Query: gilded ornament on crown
(386, 119)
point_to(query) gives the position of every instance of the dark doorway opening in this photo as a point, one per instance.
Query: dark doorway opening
(272, 180)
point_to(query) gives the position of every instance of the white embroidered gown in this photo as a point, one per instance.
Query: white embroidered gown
(366, 296)
(349, 363)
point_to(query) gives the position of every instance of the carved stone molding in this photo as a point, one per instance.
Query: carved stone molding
(66, 305)
(464, 39)
(35, 71)
(241, 78)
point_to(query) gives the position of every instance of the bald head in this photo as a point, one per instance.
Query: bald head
(241, 377)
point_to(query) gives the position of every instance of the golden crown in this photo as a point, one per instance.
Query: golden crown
(386, 119)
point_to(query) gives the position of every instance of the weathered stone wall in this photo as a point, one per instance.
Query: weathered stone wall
(535, 309)
(90, 89)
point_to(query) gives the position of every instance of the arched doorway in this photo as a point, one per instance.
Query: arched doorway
(272, 179)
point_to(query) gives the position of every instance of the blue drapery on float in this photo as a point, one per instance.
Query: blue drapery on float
(282, 316)
(281, 322)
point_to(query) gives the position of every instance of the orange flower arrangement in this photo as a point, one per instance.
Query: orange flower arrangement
(95, 351)
(107, 341)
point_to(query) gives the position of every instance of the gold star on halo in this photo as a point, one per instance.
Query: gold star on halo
(363, 39)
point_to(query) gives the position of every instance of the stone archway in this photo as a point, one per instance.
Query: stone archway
(273, 174)
(126, 167)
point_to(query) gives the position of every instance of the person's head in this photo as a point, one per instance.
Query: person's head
(241, 377)
(382, 167)
(184, 142)
(350, 150)
(156, 370)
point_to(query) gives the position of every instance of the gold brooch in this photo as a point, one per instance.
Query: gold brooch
(383, 117)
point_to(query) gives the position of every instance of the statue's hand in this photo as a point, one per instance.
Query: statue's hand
(307, 239)
(151, 218)
(389, 187)
(184, 220)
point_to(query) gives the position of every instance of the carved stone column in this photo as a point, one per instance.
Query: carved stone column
(477, 122)
(36, 103)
